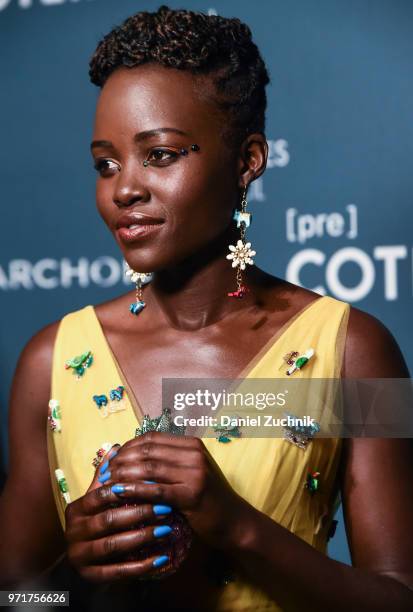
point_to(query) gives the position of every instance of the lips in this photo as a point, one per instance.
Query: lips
(132, 219)
(133, 226)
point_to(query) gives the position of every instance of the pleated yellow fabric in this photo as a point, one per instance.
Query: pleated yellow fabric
(268, 472)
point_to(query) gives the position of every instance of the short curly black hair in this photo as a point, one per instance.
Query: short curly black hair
(202, 44)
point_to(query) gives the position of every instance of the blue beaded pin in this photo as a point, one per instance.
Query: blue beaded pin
(116, 403)
(100, 400)
(80, 363)
(117, 394)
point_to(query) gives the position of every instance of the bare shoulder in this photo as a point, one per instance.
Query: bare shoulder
(34, 366)
(371, 350)
(282, 296)
(39, 349)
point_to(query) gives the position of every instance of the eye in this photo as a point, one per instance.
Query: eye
(106, 167)
(161, 157)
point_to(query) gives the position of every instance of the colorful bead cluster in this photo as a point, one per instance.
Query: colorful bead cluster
(54, 417)
(312, 483)
(106, 446)
(300, 435)
(80, 363)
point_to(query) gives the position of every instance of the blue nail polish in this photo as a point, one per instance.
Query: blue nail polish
(162, 530)
(160, 561)
(104, 477)
(104, 467)
(113, 454)
(162, 509)
(149, 482)
(118, 489)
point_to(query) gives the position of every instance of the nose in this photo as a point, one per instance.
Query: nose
(129, 188)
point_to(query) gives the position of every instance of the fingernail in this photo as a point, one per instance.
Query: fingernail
(160, 561)
(149, 481)
(162, 530)
(104, 467)
(104, 477)
(162, 509)
(112, 454)
(118, 488)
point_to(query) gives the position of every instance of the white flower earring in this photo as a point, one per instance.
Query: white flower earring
(140, 279)
(241, 254)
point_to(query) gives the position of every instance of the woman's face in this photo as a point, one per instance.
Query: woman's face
(191, 196)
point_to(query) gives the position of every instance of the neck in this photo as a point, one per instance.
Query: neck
(193, 294)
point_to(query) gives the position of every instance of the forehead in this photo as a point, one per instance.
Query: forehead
(149, 96)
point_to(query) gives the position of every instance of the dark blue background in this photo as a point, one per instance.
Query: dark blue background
(341, 132)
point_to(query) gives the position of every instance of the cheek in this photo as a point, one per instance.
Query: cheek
(199, 201)
(104, 202)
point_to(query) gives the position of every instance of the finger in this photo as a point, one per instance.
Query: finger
(120, 572)
(113, 520)
(95, 500)
(183, 457)
(113, 545)
(161, 437)
(150, 470)
(174, 495)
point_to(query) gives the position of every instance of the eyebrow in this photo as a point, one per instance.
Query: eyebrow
(141, 136)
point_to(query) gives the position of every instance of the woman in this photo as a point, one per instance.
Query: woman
(178, 138)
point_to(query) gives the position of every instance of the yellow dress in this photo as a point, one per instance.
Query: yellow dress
(268, 472)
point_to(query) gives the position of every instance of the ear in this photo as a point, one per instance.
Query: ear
(95, 484)
(253, 158)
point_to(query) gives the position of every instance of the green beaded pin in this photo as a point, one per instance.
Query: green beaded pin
(226, 433)
(61, 481)
(312, 483)
(80, 363)
(300, 361)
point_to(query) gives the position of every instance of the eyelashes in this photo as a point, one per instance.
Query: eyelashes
(156, 157)
(103, 167)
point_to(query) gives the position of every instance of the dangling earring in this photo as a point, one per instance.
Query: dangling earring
(140, 278)
(241, 254)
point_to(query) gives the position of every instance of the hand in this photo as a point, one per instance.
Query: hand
(91, 524)
(181, 473)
